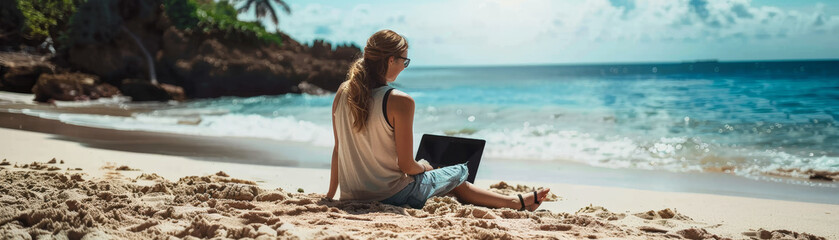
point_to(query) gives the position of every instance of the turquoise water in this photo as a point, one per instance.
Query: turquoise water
(750, 119)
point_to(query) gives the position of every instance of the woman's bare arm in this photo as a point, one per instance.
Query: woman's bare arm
(333, 176)
(401, 113)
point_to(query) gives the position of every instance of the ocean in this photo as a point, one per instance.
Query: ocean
(760, 120)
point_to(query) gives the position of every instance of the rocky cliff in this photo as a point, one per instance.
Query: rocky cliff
(188, 63)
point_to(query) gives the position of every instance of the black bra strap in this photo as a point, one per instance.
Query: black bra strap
(384, 106)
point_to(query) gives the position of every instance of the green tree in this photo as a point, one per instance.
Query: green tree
(45, 18)
(211, 17)
(182, 13)
(263, 8)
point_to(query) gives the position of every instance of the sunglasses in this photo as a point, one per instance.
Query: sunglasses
(407, 60)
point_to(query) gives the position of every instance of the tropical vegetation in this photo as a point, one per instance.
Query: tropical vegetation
(264, 8)
(216, 18)
(39, 22)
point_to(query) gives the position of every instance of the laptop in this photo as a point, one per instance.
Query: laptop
(442, 151)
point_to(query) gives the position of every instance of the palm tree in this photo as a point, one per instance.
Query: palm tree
(263, 8)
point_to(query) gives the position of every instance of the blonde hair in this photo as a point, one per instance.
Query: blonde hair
(368, 72)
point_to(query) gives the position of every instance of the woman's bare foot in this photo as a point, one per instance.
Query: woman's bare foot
(529, 202)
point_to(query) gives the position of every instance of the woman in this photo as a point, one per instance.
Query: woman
(373, 128)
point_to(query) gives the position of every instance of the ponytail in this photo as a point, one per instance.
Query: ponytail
(358, 94)
(369, 72)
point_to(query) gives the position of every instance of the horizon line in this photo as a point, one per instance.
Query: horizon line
(572, 64)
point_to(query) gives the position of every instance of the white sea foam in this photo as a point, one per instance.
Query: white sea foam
(283, 128)
(286, 128)
(546, 143)
(109, 101)
(678, 154)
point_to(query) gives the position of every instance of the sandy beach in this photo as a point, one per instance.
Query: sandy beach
(104, 191)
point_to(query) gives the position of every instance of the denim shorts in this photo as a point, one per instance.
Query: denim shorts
(432, 183)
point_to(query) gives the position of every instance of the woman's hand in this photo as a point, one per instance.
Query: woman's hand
(333, 174)
(425, 165)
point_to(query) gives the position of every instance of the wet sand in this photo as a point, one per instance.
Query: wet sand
(217, 149)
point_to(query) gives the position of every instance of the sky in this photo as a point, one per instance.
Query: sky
(537, 32)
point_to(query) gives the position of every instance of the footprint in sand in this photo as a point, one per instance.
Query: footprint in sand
(601, 213)
(662, 214)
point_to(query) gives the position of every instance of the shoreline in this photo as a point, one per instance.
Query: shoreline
(726, 216)
(267, 152)
(715, 183)
(214, 149)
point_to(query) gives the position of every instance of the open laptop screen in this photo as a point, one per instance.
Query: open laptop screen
(443, 151)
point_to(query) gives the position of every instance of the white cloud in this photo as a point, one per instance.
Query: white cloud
(544, 31)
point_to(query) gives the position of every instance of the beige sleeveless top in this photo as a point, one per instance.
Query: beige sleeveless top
(367, 164)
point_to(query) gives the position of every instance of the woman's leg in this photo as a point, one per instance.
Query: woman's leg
(469, 193)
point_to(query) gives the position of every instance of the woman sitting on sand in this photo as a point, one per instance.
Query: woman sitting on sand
(373, 126)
